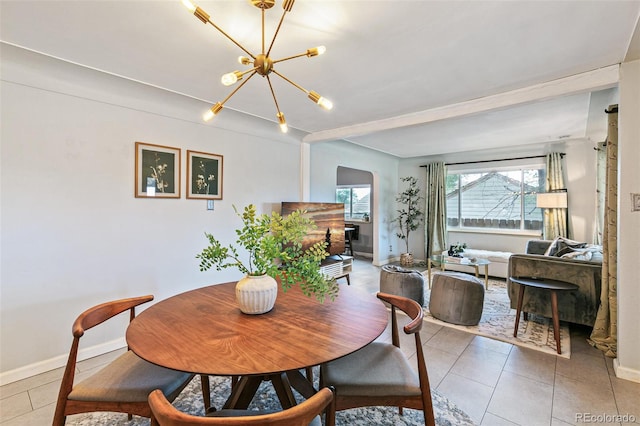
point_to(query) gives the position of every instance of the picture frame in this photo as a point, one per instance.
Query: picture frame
(157, 171)
(204, 175)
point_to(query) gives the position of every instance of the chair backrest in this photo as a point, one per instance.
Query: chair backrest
(165, 414)
(88, 319)
(409, 307)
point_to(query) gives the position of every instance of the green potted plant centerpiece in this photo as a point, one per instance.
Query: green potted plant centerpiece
(409, 216)
(274, 246)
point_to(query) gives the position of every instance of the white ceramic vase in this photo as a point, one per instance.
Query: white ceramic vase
(256, 294)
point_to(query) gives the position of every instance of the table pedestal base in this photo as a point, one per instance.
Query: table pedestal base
(244, 390)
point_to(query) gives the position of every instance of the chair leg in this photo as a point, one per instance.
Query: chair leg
(206, 391)
(309, 374)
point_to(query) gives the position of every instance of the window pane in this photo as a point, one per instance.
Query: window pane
(360, 199)
(343, 195)
(452, 200)
(533, 183)
(356, 201)
(502, 200)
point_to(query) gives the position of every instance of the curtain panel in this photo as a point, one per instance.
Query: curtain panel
(555, 220)
(605, 330)
(435, 209)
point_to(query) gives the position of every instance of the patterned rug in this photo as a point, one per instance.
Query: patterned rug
(498, 320)
(190, 401)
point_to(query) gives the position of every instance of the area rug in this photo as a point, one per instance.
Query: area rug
(190, 401)
(498, 320)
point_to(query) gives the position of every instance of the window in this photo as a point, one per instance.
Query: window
(356, 199)
(504, 199)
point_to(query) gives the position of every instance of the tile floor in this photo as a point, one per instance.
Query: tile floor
(494, 382)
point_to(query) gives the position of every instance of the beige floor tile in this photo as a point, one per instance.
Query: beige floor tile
(492, 420)
(579, 344)
(450, 340)
(531, 364)
(40, 417)
(480, 364)
(30, 382)
(584, 368)
(494, 345)
(609, 362)
(14, 406)
(558, 422)
(438, 364)
(45, 394)
(522, 400)
(627, 395)
(573, 399)
(470, 396)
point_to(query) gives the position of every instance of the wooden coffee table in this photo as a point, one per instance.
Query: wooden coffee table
(202, 331)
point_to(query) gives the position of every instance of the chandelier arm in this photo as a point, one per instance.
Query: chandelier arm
(262, 51)
(237, 88)
(290, 82)
(248, 71)
(231, 38)
(290, 57)
(273, 94)
(275, 34)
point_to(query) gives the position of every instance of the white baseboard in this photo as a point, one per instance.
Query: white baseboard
(40, 367)
(626, 373)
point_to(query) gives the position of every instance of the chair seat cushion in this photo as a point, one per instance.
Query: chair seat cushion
(378, 369)
(130, 379)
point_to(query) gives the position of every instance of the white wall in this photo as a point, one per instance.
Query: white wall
(325, 159)
(627, 365)
(73, 235)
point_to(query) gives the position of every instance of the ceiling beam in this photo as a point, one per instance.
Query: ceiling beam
(599, 79)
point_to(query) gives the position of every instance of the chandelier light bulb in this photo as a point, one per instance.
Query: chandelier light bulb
(244, 60)
(189, 5)
(283, 123)
(207, 116)
(231, 78)
(323, 102)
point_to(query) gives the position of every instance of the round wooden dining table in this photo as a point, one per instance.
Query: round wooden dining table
(202, 331)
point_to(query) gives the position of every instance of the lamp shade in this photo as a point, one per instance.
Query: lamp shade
(552, 200)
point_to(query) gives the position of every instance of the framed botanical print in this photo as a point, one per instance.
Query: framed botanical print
(204, 176)
(157, 171)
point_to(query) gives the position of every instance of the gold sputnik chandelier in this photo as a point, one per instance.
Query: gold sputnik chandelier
(262, 64)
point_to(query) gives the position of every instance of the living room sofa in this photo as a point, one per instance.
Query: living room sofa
(579, 307)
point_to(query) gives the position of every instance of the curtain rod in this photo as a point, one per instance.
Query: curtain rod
(562, 154)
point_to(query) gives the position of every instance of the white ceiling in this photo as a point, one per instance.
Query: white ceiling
(407, 77)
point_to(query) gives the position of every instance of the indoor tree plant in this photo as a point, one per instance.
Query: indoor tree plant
(409, 216)
(274, 246)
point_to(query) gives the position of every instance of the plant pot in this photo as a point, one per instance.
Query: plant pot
(256, 294)
(406, 259)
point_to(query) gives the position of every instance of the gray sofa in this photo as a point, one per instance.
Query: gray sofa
(579, 306)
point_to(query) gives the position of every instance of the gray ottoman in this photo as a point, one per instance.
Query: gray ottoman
(402, 282)
(456, 298)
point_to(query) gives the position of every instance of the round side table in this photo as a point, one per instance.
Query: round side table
(546, 284)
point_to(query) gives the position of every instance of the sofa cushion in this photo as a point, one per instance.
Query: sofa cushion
(562, 245)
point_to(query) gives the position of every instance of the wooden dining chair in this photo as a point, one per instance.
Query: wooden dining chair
(380, 373)
(306, 413)
(124, 384)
